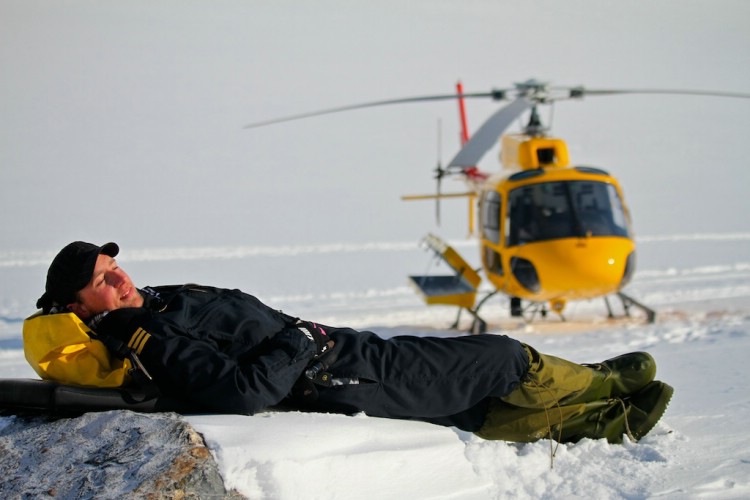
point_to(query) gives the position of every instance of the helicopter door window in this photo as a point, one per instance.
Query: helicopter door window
(491, 216)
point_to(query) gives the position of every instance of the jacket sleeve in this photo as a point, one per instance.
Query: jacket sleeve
(195, 371)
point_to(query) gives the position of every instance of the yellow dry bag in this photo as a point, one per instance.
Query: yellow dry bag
(58, 347)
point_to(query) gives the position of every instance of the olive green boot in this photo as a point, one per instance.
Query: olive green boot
(619, 377)
(633, 416)
(646, 407)
(525, 425)
(610, 419)
(551, 380)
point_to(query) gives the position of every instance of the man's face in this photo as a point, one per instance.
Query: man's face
(110, 288)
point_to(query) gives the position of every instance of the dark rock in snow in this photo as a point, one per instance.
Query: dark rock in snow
(115, 454)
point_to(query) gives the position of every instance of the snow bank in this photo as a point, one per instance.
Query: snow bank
(287, 455)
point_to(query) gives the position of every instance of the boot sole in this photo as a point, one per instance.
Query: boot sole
(653, 414)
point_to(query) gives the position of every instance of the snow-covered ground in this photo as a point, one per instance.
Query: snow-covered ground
(701, 341)
(123, 121)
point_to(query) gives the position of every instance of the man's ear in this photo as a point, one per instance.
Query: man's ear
(79, 309)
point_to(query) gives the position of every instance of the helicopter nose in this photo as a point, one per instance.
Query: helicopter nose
(579, 270)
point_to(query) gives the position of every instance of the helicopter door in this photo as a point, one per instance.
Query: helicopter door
(459, 289)
(490, 217)
(491, 206)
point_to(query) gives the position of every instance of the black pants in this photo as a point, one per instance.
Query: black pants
(446, 381)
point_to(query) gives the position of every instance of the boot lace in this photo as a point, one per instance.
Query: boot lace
(552, 449)
(627, 424)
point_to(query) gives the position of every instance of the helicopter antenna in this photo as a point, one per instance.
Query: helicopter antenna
(439, 172)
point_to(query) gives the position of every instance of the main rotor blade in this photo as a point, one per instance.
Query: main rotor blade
(582, 92)
(495, 94)
(414, 197)
(487, 135)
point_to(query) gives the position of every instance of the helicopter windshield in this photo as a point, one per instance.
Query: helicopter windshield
(564, 209)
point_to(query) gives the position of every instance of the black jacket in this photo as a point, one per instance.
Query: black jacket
(225, 351)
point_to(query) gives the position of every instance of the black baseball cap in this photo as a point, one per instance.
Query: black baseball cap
(70, 271)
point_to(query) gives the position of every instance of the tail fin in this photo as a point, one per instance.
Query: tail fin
(462, 114)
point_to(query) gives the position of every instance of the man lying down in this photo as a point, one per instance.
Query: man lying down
(224, 351)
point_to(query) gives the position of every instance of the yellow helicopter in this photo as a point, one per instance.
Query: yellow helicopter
(549, 231)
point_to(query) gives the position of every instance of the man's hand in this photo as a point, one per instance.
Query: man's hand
(117, 327)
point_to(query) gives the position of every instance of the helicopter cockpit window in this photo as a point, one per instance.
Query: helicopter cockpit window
(490, 215)
(565, 209)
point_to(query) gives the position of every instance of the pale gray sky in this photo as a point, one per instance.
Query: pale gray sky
(123, 120)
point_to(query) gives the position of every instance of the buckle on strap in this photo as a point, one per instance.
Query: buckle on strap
(318, 376)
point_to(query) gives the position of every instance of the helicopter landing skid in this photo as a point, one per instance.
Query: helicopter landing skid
(530, 311)
(478, 326)
(627, 303)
